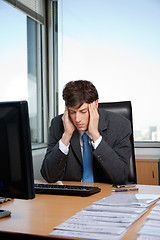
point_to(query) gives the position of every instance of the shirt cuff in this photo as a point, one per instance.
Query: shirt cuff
(63, 147)
(97, 142)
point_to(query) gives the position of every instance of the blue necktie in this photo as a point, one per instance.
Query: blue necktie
(87, 160)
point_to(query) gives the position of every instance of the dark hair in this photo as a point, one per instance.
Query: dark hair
(79, 92)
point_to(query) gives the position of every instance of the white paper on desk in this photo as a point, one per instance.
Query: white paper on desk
(158, 203)
(157, 208)
(85, 235)
(142, 237)
(154, 217)
(129, 199)
(115, 209)
(110, 219)
(107, 214)
(92, 221)
(149, 230)
(155, 212)
(89, 228)
(152, 223)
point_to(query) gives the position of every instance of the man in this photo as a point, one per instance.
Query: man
(108, 133)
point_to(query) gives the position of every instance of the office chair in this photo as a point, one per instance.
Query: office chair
(124, 109)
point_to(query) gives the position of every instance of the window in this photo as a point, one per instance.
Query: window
(114, 44)
(34, 67)
(21, 64)
(13, 57)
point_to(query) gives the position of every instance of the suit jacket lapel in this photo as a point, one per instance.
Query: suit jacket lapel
(102, 122)
(75, 145)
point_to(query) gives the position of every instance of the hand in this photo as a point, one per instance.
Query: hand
(68, 127)
(94, 120)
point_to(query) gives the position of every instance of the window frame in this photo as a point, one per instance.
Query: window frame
(49, 91)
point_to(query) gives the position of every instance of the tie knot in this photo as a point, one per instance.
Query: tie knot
(85, 138)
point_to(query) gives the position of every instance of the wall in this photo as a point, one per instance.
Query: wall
(38, 156)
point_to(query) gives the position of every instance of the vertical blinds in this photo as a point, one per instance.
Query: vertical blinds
(32, 8)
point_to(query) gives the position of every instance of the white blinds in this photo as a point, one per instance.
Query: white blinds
(33, 8)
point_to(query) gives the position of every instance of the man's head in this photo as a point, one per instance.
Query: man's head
(79, 92)
(77, 96)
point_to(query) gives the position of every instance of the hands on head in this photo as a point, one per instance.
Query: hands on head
(83, 118)
(93, 120)
(68, 127)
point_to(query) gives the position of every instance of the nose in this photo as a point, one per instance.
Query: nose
(78, 118)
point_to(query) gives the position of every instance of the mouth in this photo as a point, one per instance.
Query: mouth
(80, 125)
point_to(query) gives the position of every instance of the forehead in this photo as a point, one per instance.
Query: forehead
(77, 108)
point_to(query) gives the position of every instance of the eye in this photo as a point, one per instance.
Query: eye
(84, 111)
(71, 112)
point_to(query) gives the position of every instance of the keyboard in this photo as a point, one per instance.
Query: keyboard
(65, 189)
(3, 199)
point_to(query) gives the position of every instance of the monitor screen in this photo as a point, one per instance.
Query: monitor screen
(16, 167)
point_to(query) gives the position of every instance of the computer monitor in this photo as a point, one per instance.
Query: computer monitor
(16, 167)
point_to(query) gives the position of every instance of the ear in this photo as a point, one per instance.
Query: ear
(96, 103)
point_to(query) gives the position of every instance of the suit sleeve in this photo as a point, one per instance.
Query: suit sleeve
(53, 166)
(114, 151)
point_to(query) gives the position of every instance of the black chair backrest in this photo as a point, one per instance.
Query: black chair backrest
(125, 109)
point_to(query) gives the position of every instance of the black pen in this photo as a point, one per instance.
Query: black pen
(125, 189)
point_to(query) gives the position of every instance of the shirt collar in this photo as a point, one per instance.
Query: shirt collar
(89, 135)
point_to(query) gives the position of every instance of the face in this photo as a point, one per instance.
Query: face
(80, 116)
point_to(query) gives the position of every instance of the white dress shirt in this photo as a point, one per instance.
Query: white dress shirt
(65, 149)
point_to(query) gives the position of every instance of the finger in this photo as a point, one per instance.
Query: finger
(66, 110)
(93, 108)
(65, 114)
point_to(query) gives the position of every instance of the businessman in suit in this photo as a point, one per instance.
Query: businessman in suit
(108, 133)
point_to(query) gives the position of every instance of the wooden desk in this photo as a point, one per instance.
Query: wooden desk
(148, 169)
(38, 217)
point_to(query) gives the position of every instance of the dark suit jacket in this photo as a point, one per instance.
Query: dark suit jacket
(110, 158)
